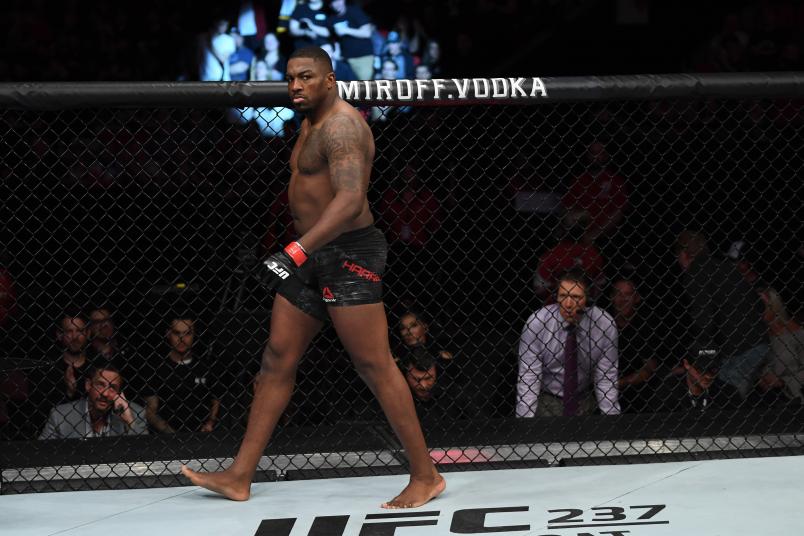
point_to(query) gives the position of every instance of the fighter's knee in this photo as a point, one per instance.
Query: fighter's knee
(369, 366)
(276, 358)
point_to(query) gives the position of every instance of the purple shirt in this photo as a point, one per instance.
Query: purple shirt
(541, 358)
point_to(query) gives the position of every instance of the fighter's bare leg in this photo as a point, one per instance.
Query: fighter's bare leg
(363, 330)
(291, 334)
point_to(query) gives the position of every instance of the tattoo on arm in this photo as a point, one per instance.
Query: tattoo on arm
(346, 149)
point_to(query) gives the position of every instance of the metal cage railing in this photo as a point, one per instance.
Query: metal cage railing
(132, 215)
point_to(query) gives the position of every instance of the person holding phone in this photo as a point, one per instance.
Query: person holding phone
(104, 412)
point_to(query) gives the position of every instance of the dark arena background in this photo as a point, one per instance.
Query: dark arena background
(138, 196)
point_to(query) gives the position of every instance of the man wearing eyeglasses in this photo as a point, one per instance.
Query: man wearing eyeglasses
(104, 412)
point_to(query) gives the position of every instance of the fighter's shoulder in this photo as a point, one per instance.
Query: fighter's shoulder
(344, 120)
(344, 132)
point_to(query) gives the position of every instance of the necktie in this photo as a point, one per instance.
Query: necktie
(571, 372)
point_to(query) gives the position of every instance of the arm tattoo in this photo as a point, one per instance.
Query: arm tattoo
(346, 149)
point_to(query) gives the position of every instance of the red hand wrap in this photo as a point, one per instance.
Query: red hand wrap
(296, 252)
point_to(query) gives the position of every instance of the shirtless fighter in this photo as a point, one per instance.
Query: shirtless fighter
(333, 270)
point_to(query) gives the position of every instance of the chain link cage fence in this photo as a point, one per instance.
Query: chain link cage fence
(133, 217)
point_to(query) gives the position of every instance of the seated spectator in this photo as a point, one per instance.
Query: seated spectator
(411, 211)
(341, 69)
(784, 373)
(410, 215)
(216, 48)
(103, 341)
(181, 395)
(414, 332)
(384, 113)
(698, 387)
(395, 52)
(641, 348)
(436, 392)
(726, 312)
(432, 57)
(566, 351)
(269, 121)
(240, 60)
(309, 24)
(411, 33)
(274, 61)
(63, 380)
(353, 29)
(738, 254)
(103, 412)
(570, 252)
(600, 192)
(422, 72)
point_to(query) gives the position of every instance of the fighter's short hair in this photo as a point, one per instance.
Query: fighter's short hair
(316, 53)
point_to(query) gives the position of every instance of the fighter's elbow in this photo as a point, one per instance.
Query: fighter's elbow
(352, 204)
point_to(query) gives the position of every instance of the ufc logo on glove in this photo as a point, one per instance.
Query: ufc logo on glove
(275, 268)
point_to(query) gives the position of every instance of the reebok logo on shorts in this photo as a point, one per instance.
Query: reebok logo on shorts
(361, 272)
(328, 296)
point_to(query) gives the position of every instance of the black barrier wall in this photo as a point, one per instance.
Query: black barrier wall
(134, 215)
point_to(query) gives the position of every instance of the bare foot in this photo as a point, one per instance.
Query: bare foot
(230, 486)
(417, 493)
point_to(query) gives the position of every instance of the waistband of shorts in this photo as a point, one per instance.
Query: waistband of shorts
(356, 234)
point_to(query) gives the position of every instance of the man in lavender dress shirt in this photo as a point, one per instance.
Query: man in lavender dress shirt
(543, 355)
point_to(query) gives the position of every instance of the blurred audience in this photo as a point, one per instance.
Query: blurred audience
(410, 214)
(241, 59)
(737, 253)
(103, 340)
(571, 251)
(342, 70)
(103, 412)
(275, 62)
(216, 49)
(269, 121)
(354, 29)
(784, 373)
(411, 211)
(309, 24)
(64, 380)
(387, 113)
(698, 386)
(432, 57)
(251, 22)
(600, 192)
(758, 36)
(416, 339)
(726, 312)
(439, 390)
(411, 33)
(395, 52)
(181, 395)
(568, 356)
(641, 348)
(423, 72)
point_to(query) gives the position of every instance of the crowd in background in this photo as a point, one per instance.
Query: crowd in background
(359, 50)
(633, 343)
(593, 346)
(75, 40)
